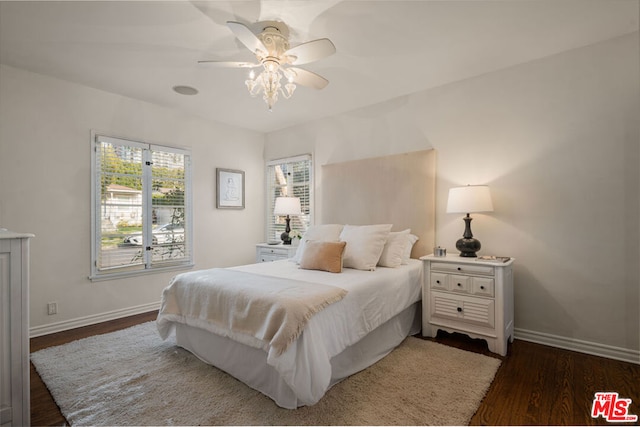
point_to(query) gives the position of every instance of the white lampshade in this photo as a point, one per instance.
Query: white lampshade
(287, 206)
(472, 198)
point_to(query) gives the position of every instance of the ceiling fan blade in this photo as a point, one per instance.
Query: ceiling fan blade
(222, 11)
(310, 51)
(307, 78)
(227, 64)
(246, 36)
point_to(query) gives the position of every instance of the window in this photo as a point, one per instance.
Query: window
(289, 177)
(141, 212)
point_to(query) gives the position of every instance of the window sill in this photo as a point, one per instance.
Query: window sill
(124, 274)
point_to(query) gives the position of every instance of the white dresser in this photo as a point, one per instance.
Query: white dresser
(469, 296)
(267, 253)
(14, 329)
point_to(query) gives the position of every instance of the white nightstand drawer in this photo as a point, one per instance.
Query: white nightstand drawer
(268, 253)
(486, 270)
(460, 283)
(439, 281)
(275, 251)
(466, 309)
(482, 286)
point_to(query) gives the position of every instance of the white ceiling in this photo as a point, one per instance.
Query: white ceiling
(385, 49)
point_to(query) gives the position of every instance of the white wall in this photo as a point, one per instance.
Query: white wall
(45, 166)
(557, 140)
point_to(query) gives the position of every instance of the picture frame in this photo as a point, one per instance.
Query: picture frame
(229, 189)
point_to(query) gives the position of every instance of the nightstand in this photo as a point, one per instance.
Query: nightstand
(470, 296)
(268, 253)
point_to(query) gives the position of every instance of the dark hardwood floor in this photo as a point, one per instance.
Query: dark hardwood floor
(542, 385)
(535, 385)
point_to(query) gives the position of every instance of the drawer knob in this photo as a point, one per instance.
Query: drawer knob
(437, 281)
(459, 284)
(459, 309)
(482, 287)
(459, 268)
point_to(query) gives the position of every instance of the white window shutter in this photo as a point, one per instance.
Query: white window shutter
(141, 207)
(291, 177)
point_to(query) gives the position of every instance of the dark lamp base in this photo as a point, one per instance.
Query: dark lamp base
(286, 240)
(468, 247)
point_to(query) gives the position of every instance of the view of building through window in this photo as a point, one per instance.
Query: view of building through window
(141, 203)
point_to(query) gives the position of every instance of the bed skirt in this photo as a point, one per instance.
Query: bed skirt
(249, 364)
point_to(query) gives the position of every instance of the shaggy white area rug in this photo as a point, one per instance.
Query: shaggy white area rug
(132, 377)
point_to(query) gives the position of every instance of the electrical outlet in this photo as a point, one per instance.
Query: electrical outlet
(52, 308)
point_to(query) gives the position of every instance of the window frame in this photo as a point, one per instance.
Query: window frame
(270, 200)
(148, 265)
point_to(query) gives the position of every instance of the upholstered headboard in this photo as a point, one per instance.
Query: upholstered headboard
(397, 189)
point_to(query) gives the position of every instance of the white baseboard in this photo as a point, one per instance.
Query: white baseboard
(65, 325)
(596, 349)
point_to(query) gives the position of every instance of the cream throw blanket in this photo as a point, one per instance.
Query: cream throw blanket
(260, 311)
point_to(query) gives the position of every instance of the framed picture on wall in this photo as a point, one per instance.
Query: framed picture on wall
(229, 189)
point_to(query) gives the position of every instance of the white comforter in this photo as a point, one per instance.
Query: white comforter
(373, 298)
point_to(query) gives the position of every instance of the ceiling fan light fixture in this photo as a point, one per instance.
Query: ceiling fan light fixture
(290, 87)
(268, 82)
(272, 50)
(251, 84)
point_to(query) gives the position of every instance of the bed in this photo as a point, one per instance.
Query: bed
(370, 310)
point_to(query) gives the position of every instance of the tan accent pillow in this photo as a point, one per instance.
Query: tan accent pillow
(322, 232)
(325, 256)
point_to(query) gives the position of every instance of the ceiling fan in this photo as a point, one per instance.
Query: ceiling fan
(270, 44)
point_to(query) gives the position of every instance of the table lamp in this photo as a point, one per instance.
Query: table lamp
(472, 198)
(287, 206)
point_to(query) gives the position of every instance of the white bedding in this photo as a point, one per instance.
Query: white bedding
(261, 311)
(373, 298)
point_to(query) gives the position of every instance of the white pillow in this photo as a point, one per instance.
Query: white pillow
(321, 233)
(411, 240)
(364, 245)
(394, 249)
